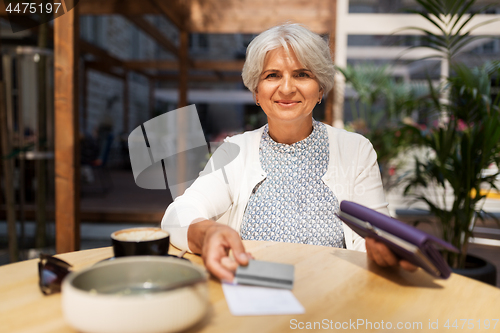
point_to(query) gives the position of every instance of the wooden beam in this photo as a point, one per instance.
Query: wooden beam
(219, 65)
(110, 7)
(103, 68)
(102, 54)
(172, 12)
(215, 16)
(200, 78)
(255, 16)
(67, 161)
(105, 58)
(209, 65)
(154, 33)
(151, 64)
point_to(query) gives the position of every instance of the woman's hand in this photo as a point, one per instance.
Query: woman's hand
(383, 256)
(214, 241)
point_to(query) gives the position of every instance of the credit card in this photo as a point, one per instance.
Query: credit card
(266, 274)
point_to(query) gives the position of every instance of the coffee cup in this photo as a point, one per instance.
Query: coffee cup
(140, 241)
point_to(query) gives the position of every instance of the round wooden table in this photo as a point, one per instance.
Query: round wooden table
(340, 290)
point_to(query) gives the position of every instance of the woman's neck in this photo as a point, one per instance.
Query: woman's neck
(291, 132)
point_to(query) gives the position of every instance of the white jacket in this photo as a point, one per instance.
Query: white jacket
(353, 174)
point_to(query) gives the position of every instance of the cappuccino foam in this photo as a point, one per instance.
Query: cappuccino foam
(140, 235)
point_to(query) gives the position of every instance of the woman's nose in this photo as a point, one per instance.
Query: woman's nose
(287, 85)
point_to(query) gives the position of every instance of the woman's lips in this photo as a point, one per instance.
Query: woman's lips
(287, 103)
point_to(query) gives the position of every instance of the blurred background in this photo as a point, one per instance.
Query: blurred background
(75, 87)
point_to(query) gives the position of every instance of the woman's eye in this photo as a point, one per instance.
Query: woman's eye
(303, 74)
(271, 75)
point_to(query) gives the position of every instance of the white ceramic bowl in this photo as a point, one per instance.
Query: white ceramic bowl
(101, 299)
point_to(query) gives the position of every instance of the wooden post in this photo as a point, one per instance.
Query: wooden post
(2, 200)
(67, 159)
(41, 147)
(85, 80)
(125, 104)
(8, 168)
(331, 41)
(8, 73)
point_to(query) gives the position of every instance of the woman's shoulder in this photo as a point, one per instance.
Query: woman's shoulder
(244, 145)
(247, 138)
(341, 135)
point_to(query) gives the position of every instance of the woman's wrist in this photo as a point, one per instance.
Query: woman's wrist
(196, 235)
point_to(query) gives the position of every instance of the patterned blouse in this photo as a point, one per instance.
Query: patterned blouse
(293, 204)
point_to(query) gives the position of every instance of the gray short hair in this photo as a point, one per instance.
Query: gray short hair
(311, 50)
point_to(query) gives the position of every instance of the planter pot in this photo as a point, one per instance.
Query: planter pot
(478, 269)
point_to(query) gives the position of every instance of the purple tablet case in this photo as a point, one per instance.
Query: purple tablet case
(409, 243)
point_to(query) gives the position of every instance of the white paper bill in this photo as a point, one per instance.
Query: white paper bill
(260, 301)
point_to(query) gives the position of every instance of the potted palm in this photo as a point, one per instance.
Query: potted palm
(465, 138)
(459, 149)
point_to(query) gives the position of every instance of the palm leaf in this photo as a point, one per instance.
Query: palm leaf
(458, 5)
(478, 25)
(462, 12)
(461, 41)
(430, 6)
(430, 19)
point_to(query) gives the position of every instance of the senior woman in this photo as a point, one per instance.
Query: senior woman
(290, 175)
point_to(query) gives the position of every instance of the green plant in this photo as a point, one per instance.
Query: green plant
(369, 82)
(452, 19)
(465, 138)
(378, 110)
(459, 151)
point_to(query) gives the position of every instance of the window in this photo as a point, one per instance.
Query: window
(198, 42)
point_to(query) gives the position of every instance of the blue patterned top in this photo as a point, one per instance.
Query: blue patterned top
(293, 204)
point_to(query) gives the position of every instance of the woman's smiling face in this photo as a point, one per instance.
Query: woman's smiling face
(287, 92)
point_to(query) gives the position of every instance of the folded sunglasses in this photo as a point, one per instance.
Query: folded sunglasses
(51, 273)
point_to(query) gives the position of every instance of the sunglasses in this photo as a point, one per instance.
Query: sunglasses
(51, 273)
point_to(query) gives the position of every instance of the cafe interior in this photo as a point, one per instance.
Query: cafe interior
(420, 79)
